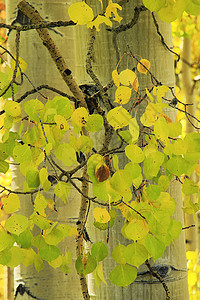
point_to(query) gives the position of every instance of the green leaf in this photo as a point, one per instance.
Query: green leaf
(178, 166)
(62, 190)
(66, 153)
(24, 239)
(94, 123)
(126, 136)
(34, 109)
(11, 203)
(16, 224)
(38, 263)
(16, 258)
(90, 265)
(5, 257)
(136, 254)
(44, 179)
(84, 144)
(40, 203)
(134, 153)
(118, 254)
(121, 181)
(133, 169)
(163, 182)
(118, 117)
(155, 247)
(172, 10)
(136, 230)
(13, 109)
(4, 166)
(152, 192)
(32, 178)
(189, 187)
(154, 5)
(152, 164)
(41, 222)
(6, 240)
(99, 251)
(22, 153)
(49, 252)
(123, 275)
(54, 237)
(161, 129)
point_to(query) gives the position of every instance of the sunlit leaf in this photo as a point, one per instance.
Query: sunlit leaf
(134, 129)
(101, 215)
(118, 117)
(122, 94)
(80, 13)
(79, 116)
(127, 77)
(134, 153)
(112, 9)
(98, 21)
(115, 77)
(143, 66)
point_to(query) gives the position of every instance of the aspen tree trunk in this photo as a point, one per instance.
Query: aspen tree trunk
(49, 284)
(145, 43)
(189, 95)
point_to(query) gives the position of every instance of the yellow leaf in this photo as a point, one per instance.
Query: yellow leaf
(149, 95)
(101, 215)
(112, 8)
(11, 204)
(79, 117)
(22, 65)
(143, 66)
(61, 122)
(135, 84)
(73, 231)
(99, 272)
(160, 92)
(115, 77)
(166, 118)
(80, 13)
(122, 94)
(127, 77)
(98, 21)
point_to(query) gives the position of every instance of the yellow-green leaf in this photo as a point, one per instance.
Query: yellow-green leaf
(11, 204)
